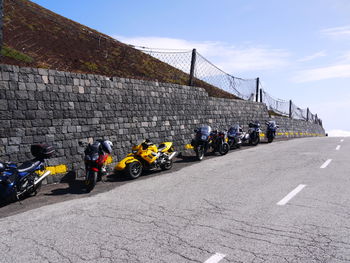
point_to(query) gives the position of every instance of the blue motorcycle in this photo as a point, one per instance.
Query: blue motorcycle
(17, 182)
(271, 130)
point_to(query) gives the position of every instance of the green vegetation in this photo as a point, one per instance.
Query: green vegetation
(91, 66)
(12, 53)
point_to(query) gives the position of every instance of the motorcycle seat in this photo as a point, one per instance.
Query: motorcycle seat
(28, 166)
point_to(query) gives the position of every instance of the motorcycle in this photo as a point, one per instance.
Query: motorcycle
(234, 136)
(95, 158)
(219, 142)
(271, 130)
(252, 136)
(19, 181)
(205, 139)
(147, 156)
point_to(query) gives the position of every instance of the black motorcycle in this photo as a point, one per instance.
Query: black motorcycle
(205, 138)
(18, 181)
(271, 130)
(219, 142)
(234, 136)
(202, 141)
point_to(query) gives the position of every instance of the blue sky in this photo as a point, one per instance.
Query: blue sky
(299, 49)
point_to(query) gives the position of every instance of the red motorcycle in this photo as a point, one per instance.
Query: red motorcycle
(96, 155)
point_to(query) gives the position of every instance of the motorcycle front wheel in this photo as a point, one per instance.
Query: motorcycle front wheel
(134, 169)
(167, 166)
(224, 148)
(200, 153)
(255, 140)
(90, 181)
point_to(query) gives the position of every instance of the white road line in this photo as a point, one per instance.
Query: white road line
(338, 148)
(289, 196)
(215, 258)
(326, 163)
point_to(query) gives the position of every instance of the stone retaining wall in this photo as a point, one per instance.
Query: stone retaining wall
(60, 108)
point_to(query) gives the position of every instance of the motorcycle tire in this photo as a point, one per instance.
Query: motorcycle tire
(167, 166)
(200, 153)
(90, 182)
(270, 139)
(134, 169)
(255, 140)
(224, 148)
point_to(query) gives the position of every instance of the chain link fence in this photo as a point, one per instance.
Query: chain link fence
(287, 108)
(281, 107)
(204, 71)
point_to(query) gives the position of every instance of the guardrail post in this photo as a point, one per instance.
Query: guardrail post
(307, 114)
(193, 65)
(257, 90)
(290, 108)
(1, 23)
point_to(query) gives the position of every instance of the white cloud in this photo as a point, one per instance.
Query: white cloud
(338, 133)
(232, 59)
(322, 73)
(313, 56)
(337, 32)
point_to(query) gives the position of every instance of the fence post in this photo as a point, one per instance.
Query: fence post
(1, 23)
(290, 108)
(261, 95)
(193, 65)
(307, 114)
(257, 90)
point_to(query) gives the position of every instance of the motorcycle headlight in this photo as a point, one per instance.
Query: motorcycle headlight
(204, 137)
(134, 151)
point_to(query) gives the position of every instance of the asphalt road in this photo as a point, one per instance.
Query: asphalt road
(270, 203)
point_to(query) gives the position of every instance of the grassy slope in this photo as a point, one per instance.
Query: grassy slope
(37, 37)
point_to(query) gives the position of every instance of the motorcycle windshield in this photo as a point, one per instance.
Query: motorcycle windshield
(272, 124)
(92, 151)
(234, 130)
(205, 130)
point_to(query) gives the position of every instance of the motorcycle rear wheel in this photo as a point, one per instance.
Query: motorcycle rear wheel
(134, 169)
(270, 139)
(90, 182)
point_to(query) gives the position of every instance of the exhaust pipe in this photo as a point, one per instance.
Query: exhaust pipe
(42, 177)
(172, 155)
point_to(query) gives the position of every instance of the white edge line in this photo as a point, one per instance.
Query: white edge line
(215, 258)
(289, 196)
(326, 163)
(338, 147)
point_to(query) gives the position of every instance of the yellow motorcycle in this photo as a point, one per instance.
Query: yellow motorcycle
(147, 156)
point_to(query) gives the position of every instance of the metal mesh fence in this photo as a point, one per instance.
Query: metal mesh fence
(178, 59)
(205, 71)
(276, 105)
(298, 113)
(209, 73)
